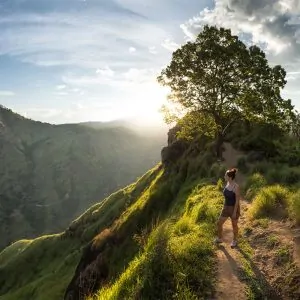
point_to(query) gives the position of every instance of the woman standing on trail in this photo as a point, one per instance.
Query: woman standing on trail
(231, 208)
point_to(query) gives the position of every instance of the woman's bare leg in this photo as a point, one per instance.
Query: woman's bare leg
(220, 224)
(235, 228)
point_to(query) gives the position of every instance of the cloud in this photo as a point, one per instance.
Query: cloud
(274, 25)
(61, 94)
(61, 87)
(132, 50)
(126, 79)
(107, 71)
(152, 50)
(76, 40)
(4, 93)
(170, 45)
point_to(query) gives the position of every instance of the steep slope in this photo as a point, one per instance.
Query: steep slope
(49, 262)
(51, 174)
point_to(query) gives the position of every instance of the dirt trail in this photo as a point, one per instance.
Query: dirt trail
(289, 236)
(229, 279)
(296, 239)
(231, 157)
(229, 285)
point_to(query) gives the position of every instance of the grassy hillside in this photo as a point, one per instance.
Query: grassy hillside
(51, 174)
(154, 238)
(55, 256)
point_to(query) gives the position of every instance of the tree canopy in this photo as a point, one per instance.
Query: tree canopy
(218, 76)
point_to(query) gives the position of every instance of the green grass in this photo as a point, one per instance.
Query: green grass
(282, 255)
(261, 222)
(163, 225)
(272, 241)
(177, 261)
(255, 288)
(46, 259)
(273, 201)
(253, 185)
(11, 252)
(269, 201)
(294, 206)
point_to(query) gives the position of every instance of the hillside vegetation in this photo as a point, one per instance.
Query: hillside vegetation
(152, 239)
(51, 174)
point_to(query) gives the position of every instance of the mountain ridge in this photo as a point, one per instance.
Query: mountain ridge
(44, 167)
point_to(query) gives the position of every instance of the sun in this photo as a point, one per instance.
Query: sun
(147, 102)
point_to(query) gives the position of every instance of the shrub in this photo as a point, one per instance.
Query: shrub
(294, 207)
(242, 164)
(292, 176)
(261, 167)
(184, 226)
(284, 174)
(217, 170)
(253, 184)
(220, 184)
(268, 200)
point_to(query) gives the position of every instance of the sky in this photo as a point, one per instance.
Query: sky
(66, 61)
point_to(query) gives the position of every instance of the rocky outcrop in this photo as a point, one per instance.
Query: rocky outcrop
(93, 268)
(175, 149)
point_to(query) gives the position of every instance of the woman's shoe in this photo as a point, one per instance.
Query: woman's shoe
(233, 244)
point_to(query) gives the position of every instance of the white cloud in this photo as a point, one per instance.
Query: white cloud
(132, 50)
(61, 87)
(267, 21)
(152, 50)
(61, 93)
(105, 72)
(170, 45)
(75, 90)
(186, 30)
(4, 93)
(274, 25)
(87, 41)
(125, 79)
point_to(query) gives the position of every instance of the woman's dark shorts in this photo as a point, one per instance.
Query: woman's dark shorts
(227, 212)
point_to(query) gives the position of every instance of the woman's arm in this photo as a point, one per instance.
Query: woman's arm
(237, 201)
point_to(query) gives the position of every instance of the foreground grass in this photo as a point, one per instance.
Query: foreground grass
(276, 201)
(42, 268)
(177, 261)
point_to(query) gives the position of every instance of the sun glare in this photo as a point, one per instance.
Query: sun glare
(147, 102)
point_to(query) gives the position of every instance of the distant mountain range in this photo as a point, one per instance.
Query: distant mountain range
(51, 173)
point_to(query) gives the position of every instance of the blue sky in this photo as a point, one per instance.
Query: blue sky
(75, 60)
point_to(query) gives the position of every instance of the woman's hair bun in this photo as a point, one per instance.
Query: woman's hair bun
(232, 170)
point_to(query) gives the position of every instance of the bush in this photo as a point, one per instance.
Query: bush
(253, 185)
(284, 174)
(184, 226)
(255, 156)
(294, 207)
(242, 164)
(276, 175)
(267, 202)
(262, 167)
(292, 176)
(217, 171)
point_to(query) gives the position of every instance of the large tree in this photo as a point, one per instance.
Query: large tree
(219, 77)
(296, 125)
